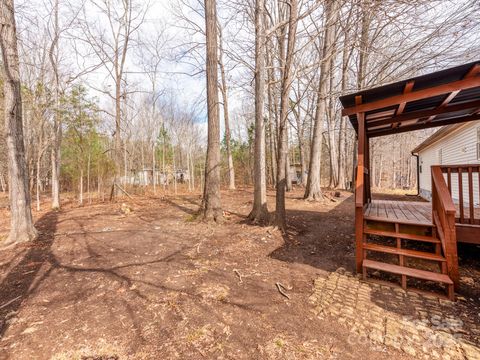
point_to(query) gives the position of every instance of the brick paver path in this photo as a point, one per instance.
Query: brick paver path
(420, 325)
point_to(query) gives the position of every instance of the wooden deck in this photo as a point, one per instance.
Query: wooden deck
(405, 212)
(420, 213)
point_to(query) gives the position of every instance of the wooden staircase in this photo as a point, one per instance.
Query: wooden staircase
(395, 238)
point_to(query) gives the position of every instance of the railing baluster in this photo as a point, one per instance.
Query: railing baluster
(449, 178)
(460, 194)
(470, 195)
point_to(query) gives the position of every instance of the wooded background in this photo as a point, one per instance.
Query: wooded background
(103, 82)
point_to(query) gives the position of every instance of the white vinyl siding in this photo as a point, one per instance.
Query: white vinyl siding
(457, 148)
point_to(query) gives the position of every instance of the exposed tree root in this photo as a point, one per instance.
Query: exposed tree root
(260, 216)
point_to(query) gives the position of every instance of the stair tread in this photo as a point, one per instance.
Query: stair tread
(405, 236)
(406, 252)
(401, 270)
(398, 220)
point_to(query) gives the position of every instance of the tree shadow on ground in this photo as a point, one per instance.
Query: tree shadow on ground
(324, 240)
(21, 280)
(196, 202)
(36, 262)
(182, 207)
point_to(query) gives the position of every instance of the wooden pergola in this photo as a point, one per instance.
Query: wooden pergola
(441, 98)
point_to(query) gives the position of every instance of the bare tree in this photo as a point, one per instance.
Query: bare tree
(110, 44)
(259, 212)
(280, 216)
(376, 42)
(313, 190)
(211, 204)
(57, 123)
(21, 222)
(226, 115)
(151, 54)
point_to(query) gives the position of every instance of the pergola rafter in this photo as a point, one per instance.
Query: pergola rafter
(473, 71)
(424, 125)
(422, 114)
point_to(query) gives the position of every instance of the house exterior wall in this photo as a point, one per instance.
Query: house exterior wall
(457, 148)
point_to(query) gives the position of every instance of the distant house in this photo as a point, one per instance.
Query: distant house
(182, 176)
(296, 173)
(144, 177)
(452, 144)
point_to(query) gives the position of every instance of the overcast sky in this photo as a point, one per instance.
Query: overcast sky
(174, 75)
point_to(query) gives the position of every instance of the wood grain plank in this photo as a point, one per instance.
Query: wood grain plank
(401, 270)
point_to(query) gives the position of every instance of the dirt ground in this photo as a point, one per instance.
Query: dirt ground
(155, 283)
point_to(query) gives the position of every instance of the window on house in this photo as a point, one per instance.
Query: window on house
(440, 156)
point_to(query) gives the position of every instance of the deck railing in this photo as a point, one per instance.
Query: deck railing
(463, 185)
(443, 216)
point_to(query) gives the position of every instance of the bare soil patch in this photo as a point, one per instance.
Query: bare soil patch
(156, 283)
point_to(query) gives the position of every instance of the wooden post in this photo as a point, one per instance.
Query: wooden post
(451, 250)
(359, 192)
(367, 197)
(443, 215)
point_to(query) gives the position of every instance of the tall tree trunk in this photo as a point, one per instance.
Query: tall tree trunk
(301, 145)
(125, 166)
(313, 190)
(2, 182)
(259, 212)
(88, 177)
(342, 136)
(154, 169)
(365, 15)
(272, 132)
(21, 222)
(331, 125)
(211, 204)
(226, 117)
(31, 177)
(354, 163)
(288, 168)
(118, 139)
(380, 173)
(188, 171)
(373, 167)
(57, 121)
(164, 172)
(174, 164)
(280, 215)
(192, 171)
(56, 161)
(273, 104)
(38, 180)
(363, 51)
(303, 164)
(341, 154)
(80, 201)
(98, 183)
